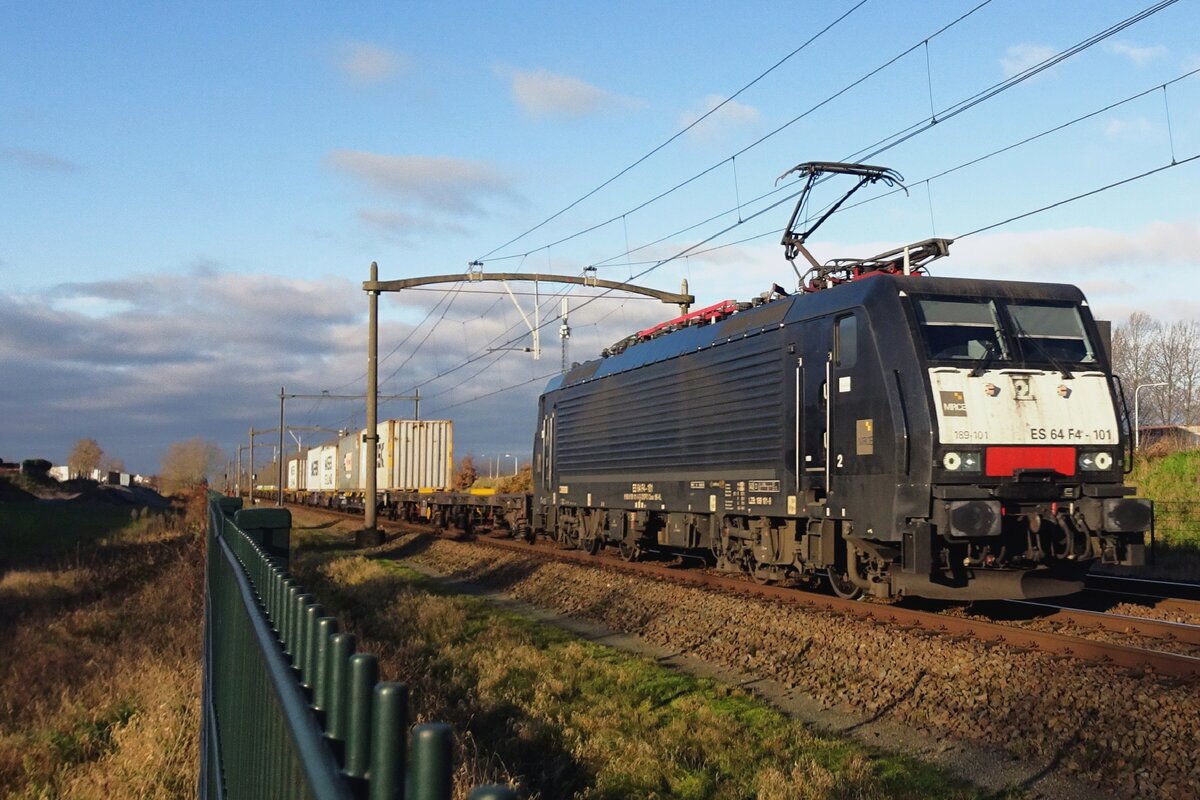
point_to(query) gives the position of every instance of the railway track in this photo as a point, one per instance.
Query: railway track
(1144, 656)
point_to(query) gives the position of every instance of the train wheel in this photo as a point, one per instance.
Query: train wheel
(842, 586)
(760, 573)
(630, 551)
(591, 544)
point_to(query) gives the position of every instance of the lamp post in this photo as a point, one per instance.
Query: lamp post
(514, 458)
(1136, 429)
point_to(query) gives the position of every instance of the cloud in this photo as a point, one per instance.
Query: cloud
(38, 160)
(1128, 128)
(719, 123)
(453, 185)
(1138, 55)
(544, 94)
(1039, 252)
(403, 225)
(365, 63)
(161, 358)
(1124, 269)
(1021, 57)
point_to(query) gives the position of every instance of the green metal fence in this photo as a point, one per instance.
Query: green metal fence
(289, 708)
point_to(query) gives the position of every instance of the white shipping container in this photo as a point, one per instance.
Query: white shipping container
(421, 454)
(328, 471)
(384, 456)
(297, 471)
(312, 462)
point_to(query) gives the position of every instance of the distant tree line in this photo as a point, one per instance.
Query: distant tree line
(1146, 351)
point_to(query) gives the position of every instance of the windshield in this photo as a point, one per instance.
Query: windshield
(1050, 333)
(985, 331)
(960, 330)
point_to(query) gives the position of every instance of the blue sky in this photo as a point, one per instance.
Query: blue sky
(192, 193)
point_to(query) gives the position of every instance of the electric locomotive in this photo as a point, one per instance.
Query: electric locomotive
(896, 433)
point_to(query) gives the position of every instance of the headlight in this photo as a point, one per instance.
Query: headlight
(1095, 462)
(967, 461)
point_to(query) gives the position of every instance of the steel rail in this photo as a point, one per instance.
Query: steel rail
(1120, 584)
(1182, 632)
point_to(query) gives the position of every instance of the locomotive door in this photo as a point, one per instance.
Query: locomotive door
(845, 392)
(826, 384)
(813, 372)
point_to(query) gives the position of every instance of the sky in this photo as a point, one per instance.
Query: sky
(191, 195)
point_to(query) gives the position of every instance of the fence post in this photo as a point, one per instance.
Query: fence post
(389, 718)
(299, 603)
(327, 627)
(430, 764)
(364, 672)
(308, 664)
(341, 647)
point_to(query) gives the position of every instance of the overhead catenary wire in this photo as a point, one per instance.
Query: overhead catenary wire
(677, 134)
(742, 151)
(1081, 195)
(894, 139)
(947, 114)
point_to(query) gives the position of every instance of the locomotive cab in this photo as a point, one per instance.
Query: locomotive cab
(1027, 448)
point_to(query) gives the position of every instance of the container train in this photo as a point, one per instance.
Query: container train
(887, 431)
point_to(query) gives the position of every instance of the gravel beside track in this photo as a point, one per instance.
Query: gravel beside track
(1168, 612)
(1135, 735)
(1116, 630)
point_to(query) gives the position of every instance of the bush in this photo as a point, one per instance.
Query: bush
(36, 468)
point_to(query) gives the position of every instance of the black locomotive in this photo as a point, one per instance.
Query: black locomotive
(899, 433)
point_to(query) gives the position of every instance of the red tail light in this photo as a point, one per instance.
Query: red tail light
(1002, 462)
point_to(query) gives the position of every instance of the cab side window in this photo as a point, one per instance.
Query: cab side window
(846, 341)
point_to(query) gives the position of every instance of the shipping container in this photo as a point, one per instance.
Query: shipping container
(384, 456)
(349, 466)
(418, 454)
(312, 461)
(328, 468)
(297, 473)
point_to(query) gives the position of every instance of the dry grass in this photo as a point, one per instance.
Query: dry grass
(99, 686)
(561, 717)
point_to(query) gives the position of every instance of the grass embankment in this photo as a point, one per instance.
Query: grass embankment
(563, 717)
(100, 619)
(1172, 481)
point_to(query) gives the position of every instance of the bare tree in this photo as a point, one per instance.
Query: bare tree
(110, 464)
(1146, 351)
(1188, 380)
(1131, 345)
(85, 457)
(188, 464)
(467, 474)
